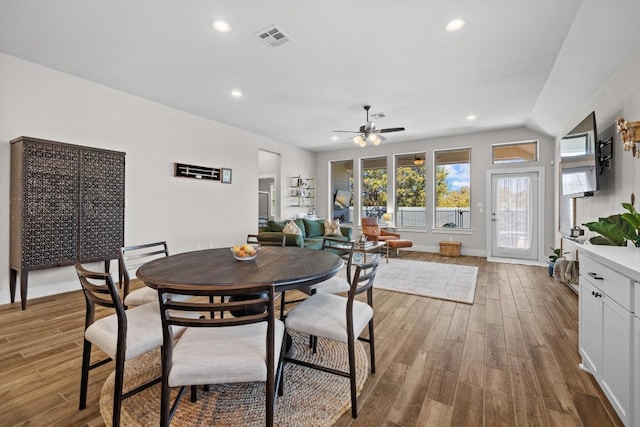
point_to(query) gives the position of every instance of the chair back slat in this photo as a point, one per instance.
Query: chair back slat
(205, 304)
(364, 276)
(254, 239)
(133, 257)
(99, 289)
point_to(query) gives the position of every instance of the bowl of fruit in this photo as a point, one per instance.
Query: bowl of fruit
(244, 252)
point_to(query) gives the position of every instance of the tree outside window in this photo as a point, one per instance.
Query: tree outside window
(410, 190)
(374, 187)
(452, 189)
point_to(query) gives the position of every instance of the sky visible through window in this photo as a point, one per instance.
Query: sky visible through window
(457, 176)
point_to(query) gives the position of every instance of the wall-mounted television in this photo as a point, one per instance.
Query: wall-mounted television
(579, 159)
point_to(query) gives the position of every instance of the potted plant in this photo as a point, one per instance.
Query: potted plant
(557, 253)
(618, 229)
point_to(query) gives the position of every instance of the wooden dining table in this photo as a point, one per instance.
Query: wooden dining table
(285, 267)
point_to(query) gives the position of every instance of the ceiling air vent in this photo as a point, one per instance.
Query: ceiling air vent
(272, 36)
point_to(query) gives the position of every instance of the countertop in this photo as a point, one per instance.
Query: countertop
(625, 260)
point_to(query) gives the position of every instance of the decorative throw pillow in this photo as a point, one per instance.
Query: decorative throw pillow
(332, 228)
(291, 228)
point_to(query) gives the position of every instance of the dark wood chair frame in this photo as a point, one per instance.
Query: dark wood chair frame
(362, 282)
(336, 246)
(265, 304)
(148, 250)
(105, 295)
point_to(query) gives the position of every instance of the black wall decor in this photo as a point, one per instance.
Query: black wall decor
(198, 172)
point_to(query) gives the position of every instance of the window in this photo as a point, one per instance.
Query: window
(410, 190)
(374, 187)
(452, 189)
(513, 152)
(342, 190)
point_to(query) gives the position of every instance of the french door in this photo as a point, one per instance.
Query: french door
(515, 219)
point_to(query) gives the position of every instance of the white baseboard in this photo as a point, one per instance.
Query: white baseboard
(39, 291)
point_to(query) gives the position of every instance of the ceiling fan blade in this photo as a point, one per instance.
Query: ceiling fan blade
(390, 130)
(346, 131)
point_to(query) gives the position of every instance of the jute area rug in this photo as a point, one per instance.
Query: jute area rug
(443, 281)
(311, 397)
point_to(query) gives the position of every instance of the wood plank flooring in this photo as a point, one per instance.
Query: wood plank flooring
(510, 359)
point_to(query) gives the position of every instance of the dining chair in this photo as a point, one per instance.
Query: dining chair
(220, 350)
(122, 335)
(253, 238)
(336, 284)
(131, 258)
(341, 319)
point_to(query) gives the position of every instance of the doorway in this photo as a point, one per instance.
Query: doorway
(516, 220)
(268, 186)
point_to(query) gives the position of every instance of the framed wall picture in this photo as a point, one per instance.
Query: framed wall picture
(226, 176)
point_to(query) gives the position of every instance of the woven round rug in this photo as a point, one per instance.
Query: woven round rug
(311, 397)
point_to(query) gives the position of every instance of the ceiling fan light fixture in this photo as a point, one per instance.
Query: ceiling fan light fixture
(360, 141)
(371, 137)
(377, 141)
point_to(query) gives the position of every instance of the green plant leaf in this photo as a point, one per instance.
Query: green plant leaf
(632, 219)
(599, 240)
(611, 229)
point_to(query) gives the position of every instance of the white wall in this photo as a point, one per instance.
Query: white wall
(473, 241)
(620, 97)
(39, 102)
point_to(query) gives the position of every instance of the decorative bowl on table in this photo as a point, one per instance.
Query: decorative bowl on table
(244, 252)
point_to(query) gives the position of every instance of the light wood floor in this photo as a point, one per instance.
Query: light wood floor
(510, 359)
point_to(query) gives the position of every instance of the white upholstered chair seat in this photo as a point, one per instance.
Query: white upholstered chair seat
(334, 285)
(145, 295)
(144, 331)
(324, 315)
(141, 296)
(234, 354)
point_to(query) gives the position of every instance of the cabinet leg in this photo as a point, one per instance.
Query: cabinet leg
(24, 276)
(13, 276)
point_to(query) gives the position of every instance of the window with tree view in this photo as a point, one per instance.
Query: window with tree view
(374, 187)
(452, 189)
(410, 191)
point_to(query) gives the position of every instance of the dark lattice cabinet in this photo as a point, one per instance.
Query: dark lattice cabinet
(67, 206)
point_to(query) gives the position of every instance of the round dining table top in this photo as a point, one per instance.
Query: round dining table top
(285, 267)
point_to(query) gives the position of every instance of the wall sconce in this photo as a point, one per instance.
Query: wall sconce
(387, 218)
(630, 134)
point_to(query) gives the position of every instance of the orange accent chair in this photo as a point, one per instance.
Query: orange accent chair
(372, 230)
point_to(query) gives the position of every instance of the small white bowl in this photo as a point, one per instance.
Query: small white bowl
(247, 258)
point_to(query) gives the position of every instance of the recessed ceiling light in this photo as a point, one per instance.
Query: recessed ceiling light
(334, 138)
(236, 94)
(455, 25)
(471, 117)
(221, 26)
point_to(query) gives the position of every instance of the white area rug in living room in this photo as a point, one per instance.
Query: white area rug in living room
(443, 281)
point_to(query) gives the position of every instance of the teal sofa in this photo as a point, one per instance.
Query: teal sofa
(312, 233)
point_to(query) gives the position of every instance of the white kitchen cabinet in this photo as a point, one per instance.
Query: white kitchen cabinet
(590, 329)
(606, 332)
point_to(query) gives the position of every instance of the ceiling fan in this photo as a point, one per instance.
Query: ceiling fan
(368, 132)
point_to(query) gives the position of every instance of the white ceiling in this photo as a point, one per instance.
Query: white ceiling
(517, 62)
